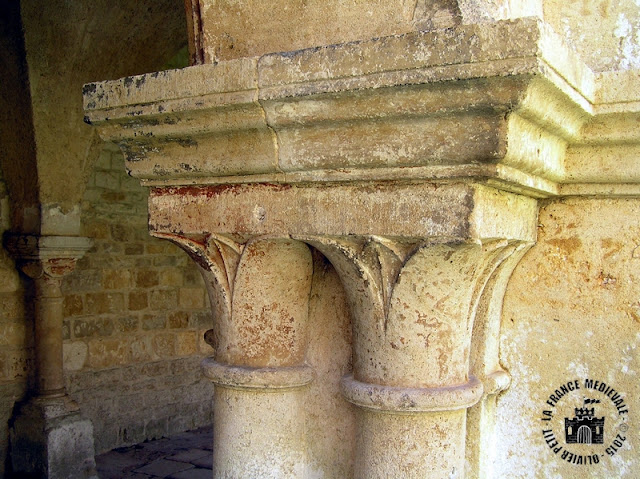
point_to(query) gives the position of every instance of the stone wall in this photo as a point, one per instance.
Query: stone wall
(135, 314)
(571, 313)
(16, 338)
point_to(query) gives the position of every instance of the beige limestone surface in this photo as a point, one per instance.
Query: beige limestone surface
(412, 163)
(572, 312)
(605, 33)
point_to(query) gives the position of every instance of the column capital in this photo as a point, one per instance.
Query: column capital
(43, 255)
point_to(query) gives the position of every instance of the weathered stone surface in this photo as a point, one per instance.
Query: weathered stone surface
(412, 162)
(404, 105)
(51, 439)
(571, 313)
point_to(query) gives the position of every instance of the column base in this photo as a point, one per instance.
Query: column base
(51, 439)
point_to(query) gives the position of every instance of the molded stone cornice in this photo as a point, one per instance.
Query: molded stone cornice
(504, 102)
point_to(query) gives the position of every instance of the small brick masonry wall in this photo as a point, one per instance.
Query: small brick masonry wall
(135, 313)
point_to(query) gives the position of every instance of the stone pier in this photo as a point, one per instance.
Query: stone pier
(411, 147)
(49, 436)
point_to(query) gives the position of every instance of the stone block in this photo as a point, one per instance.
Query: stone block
(201, 320)
(154, 321)
(74, 355)
(100, 303)
(164, 345)
(11, 306)
(154, 369)
(97, 230)
(9, 278)
(166, 260)
(126, 324)
(141, 349)
(107, 353)
(143, 261)
(114, 198)
(82, 280)
(13, 333)
(186, 343)
(192, 277)
(134, 249)
(138, 300)
(163, 299)
(92, 327)
(121, 232)
(73, 305)
(171, 277)
(58, 446)
(146, 278)
(116, 279)
(66, 329)
(16, 364)
(178, 320)
(191, 298)
(159, 247)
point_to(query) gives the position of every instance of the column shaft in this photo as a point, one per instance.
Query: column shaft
(48, 337)
(428, 445)
(260, 293)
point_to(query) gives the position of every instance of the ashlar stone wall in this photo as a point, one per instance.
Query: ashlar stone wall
(571, 313)
(135, 314)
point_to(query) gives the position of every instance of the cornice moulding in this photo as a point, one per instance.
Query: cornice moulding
(504, 103)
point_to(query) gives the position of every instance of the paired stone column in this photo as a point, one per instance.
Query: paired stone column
(49, 436)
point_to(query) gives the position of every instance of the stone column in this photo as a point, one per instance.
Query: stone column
(49, 436)
(260, 291)
(412, 341)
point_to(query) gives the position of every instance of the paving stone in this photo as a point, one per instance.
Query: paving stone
(204, 461)
(111, 464)
(197, 473)
(185, 453)
(190, 455)
(164, 467)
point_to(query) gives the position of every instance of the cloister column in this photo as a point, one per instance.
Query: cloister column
(414, 302)
(49, 436)
(260, 289)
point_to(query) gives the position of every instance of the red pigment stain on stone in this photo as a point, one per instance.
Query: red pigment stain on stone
(215, 190)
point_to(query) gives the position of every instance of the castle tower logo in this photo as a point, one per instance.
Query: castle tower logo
(584, 428)
(585, 421)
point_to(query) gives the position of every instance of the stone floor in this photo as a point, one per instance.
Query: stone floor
(183, 456)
